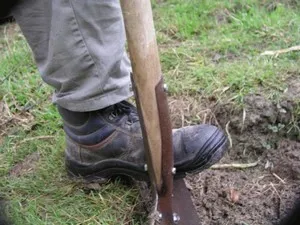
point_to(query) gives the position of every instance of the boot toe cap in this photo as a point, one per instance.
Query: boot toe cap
(198, 147)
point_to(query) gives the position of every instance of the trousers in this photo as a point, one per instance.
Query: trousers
(79, 49)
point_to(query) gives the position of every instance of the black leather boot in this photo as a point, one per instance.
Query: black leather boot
(108, 142)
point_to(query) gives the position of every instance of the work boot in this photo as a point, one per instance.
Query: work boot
(108, 142)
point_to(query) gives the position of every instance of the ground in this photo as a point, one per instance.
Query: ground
(211, 58)
(264, 192)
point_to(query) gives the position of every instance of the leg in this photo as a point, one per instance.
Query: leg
(79, 47)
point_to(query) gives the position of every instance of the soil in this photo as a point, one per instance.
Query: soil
(26, 166)
(258, 195)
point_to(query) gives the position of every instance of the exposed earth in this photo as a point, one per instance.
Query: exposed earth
(264, 186)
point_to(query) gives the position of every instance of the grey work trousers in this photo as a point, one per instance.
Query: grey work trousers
(79, 48)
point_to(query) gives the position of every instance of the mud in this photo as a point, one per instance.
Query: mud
(261, 131)
(260, 195)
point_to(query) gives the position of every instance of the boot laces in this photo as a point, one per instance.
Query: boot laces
(124, 107)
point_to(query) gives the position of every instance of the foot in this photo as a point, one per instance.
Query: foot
(108, 142)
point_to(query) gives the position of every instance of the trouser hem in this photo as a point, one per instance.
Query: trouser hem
(96, 103)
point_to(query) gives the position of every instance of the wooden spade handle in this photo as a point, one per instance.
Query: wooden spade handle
(151, 100)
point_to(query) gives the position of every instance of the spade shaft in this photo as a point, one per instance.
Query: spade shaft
(153, 111)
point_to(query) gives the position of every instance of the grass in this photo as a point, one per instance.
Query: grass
(208, 48)
(219, 45)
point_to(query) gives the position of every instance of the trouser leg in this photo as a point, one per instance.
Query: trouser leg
(79, 47)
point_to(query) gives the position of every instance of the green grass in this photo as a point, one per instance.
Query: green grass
(209, 48)
(218, 45)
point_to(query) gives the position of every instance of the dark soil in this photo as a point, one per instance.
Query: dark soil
(259, 195)
(256, 195)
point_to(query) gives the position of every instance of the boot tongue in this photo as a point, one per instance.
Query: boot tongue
(122, 108)
(130, 110)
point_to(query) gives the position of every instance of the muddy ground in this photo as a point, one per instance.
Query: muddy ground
(262, 140)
